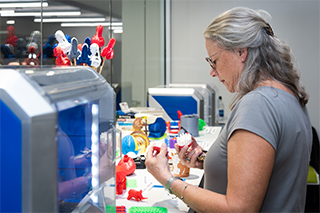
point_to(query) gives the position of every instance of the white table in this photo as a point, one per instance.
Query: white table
(154, 191)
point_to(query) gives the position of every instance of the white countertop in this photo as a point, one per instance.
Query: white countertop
(155, 192)
(156, 195)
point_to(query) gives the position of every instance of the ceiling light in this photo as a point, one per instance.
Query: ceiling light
(69, 20)
(90, 24)
(6, 11)
(10, 22)
(67, 13)
(118, 31)
(115, 28)
(29, 4)
(35, 14)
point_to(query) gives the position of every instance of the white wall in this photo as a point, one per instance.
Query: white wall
(296, 22)
(142, 49)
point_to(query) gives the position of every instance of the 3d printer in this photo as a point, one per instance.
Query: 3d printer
(57, 140)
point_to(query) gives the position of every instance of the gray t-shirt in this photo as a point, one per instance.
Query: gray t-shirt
(276, 116)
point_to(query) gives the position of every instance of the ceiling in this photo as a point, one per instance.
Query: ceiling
(88, 8)
(101, 7)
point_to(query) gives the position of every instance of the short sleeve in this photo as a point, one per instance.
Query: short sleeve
(255, 113)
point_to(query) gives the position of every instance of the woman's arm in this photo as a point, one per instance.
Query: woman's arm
(250, 164)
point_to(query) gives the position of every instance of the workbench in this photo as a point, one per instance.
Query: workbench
(156, 194)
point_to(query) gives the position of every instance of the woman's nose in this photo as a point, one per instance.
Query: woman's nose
(213, 72)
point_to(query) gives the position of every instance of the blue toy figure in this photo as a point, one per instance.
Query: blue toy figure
(129, 144)
(157, 129)
(74, 52)
(48, 47)
(84, 58)
(8, 55)
(7, 51)
(68, 38)
(21, 51)
(88, 42)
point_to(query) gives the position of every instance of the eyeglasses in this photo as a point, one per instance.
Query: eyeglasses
(213, 64)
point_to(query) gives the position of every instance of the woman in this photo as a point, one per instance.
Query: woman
(260, 160)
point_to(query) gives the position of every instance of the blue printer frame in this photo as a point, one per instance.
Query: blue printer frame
(188, 100)
(209, 100)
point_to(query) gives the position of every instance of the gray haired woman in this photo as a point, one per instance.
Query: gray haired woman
(260, 160)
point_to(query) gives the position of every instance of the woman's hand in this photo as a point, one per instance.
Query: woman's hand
(157, 163)
(190, 157)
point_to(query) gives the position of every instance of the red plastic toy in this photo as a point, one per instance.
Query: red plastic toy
(107, 51)
(181, 146)
(179, 114)
(137, 195)
(157, 150)
(61, 58)
(12, 38)
(97, 38)
(121, 180)
(128, 164)
(173, 130)
(32, 57)
(80, 47)
(184, 145)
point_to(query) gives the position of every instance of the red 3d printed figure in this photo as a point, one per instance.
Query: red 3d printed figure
(137, 195)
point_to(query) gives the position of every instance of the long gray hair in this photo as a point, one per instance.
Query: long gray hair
(268, 57)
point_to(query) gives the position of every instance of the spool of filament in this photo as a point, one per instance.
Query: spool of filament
(191, 124)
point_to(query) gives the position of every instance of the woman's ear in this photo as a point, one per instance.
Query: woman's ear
(242, 53)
